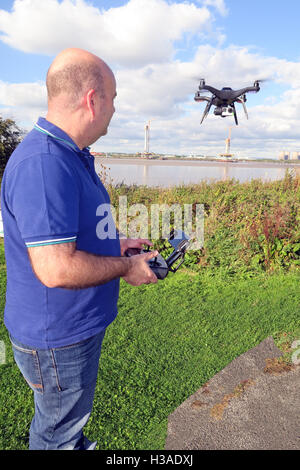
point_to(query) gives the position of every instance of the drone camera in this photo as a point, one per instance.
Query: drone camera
(218, 111)
(227, 111)
(223, 111)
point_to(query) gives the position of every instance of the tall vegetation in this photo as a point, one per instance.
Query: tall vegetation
(248, 227)
(10, 137)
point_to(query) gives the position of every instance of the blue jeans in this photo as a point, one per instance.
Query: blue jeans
(63, 381)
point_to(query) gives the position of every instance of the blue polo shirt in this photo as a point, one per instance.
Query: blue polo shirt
(51, 194)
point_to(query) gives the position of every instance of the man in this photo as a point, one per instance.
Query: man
(62, 280)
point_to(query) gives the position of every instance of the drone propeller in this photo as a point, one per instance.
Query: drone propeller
(261, 80)
(197, 78)
(201, 82)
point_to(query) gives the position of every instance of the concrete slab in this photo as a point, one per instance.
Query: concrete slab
(253, 403)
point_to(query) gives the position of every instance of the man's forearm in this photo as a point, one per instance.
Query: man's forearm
(82, 270)
(63, 266)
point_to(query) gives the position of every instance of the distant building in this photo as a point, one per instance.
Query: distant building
(295, 156)
(284, 155)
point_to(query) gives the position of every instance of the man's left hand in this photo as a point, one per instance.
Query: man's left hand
(126, 243)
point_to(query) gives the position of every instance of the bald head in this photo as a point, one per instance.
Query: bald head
(81, 92)
(73, 72)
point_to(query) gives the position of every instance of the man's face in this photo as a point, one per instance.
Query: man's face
(106, 104)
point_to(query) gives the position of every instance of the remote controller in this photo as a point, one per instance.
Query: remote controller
(161, 267)
(157, 264)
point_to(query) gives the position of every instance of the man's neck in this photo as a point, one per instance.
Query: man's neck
(66, 125)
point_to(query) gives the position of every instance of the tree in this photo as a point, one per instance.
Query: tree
(10, 137)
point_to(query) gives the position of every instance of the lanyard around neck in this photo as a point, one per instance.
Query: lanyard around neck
(44, 131)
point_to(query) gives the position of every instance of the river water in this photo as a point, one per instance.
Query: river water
(167, 173)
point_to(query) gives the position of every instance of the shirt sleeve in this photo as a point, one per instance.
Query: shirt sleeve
(44, 197)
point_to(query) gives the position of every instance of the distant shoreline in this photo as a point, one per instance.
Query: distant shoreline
(186, 162)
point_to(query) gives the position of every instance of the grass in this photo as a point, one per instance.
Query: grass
(167, 341)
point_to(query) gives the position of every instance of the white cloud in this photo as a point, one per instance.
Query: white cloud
(23, 102)
(238, 66)
(140, 40)
(137, 33)
(218, 4)
(164, 94)
(25, 95)
(156, 90)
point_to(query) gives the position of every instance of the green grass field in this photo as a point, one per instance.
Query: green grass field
(167, 341)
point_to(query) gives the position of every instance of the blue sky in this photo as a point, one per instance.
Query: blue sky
(156, 48)
(270, 25)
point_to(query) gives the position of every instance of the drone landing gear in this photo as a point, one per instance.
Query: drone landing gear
(235, 115)
(242, 100)
(207, 109)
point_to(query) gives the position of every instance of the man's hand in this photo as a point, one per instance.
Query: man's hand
(126, 243)
(139, 271)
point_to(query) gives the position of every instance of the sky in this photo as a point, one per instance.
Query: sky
(158, 51)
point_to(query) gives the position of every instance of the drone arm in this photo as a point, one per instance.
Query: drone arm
(201, 98)
(213, 90)
(248, 89)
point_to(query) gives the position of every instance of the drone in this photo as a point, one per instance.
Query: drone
(224, 99)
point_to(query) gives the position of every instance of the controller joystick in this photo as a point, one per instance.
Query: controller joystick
(161, 267)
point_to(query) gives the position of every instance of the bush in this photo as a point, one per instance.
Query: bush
(10, 137)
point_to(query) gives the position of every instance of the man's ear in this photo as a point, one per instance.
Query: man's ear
(90, 102)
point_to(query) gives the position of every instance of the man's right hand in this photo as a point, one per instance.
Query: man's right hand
(139, 271)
